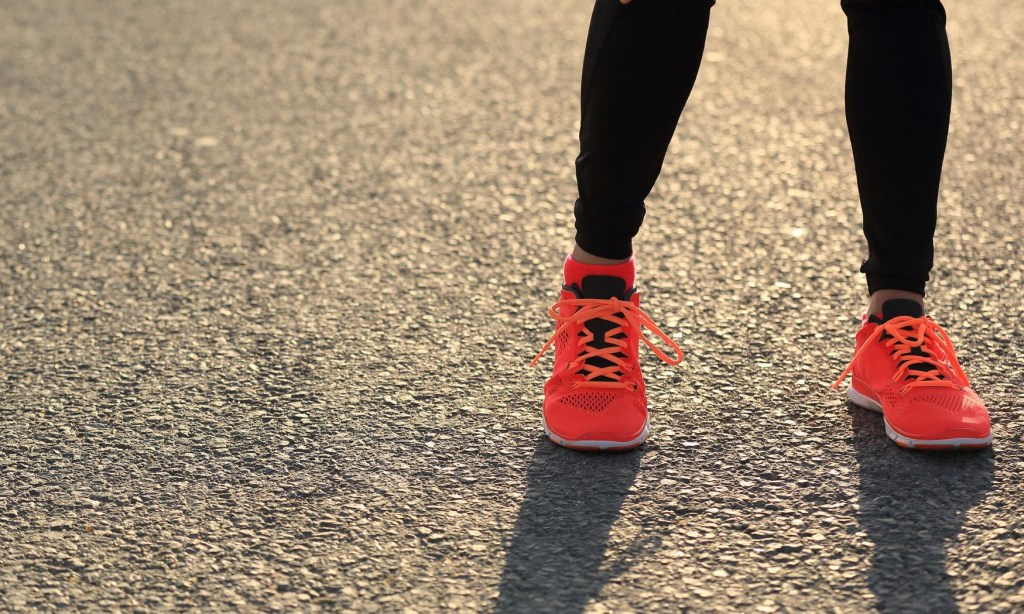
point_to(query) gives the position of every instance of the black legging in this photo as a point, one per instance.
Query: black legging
(640, 65)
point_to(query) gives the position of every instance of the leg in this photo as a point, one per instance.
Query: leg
(639, 68)
(641, 61)
(898, 93)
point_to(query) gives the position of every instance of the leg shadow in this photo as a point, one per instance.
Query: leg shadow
(912, 505)
(554, 561)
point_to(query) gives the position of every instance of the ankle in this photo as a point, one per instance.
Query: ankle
(879, 297)
(583, 257)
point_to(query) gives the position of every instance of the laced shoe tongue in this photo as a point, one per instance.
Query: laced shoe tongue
(903, 307)
(602, 287)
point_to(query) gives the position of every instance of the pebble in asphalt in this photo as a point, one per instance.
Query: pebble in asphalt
(271, 274)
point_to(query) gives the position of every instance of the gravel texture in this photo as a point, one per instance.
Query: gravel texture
(271, 272)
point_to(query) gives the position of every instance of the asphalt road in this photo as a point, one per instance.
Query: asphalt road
(271, 272)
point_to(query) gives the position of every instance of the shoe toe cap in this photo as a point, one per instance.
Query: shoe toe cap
(596, 416)
(943, 415)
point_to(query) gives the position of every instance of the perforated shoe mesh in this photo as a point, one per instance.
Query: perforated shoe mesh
(947, 402)
(590, 401)
(941, 409)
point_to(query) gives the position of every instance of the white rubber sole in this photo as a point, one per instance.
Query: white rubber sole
(596, 444)
(933, 444)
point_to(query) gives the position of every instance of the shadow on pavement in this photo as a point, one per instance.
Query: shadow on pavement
(912, 506)
(554, 561)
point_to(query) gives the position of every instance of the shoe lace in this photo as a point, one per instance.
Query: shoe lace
(917, 343)
(623, 314)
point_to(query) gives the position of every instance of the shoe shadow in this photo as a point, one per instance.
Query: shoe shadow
(912, 505)
(556, 558)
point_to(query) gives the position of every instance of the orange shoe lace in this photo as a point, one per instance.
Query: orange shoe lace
(907, 334)
(622, 313)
